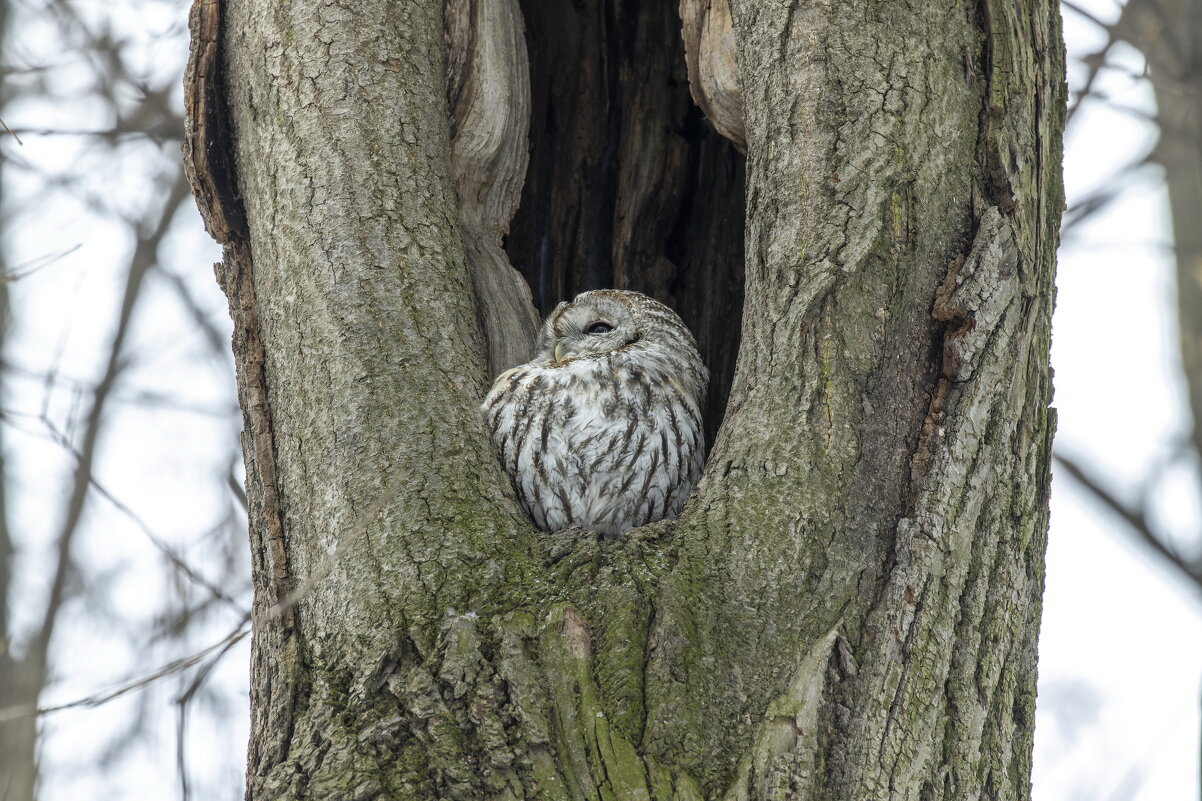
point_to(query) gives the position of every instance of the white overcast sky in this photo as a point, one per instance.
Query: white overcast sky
(1121, 648)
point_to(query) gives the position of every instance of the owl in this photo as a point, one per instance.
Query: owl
(602, 429)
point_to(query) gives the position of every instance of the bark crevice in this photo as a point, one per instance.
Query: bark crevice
(209, 156)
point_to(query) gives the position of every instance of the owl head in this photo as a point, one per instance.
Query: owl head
(609, 321)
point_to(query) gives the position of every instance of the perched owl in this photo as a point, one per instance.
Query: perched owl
(602, 429)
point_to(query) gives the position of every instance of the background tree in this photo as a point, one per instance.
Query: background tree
(848, 606)
(1152, 496)
(95, 588)
(1169, 34)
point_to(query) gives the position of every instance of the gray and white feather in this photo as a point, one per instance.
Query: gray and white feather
(602, 429)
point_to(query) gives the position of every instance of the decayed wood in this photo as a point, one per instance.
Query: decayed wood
(709, 45)
(208, 161)
(488, 88)
(274, 655)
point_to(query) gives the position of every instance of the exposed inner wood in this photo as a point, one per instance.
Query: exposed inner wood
(488, 90)
(709, 45)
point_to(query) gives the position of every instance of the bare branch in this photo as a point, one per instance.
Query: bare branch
(11, 132)
(142, 260)
(218, 340)
(1135, 518)
(1085, 13)
(183, 703)
(1101, 198)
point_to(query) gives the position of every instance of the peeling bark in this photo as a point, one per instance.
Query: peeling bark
(848, 605)
(209, 164)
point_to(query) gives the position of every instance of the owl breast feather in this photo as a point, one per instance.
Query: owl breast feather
(602, 443)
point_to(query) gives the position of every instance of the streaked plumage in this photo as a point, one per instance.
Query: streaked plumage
(603, 429)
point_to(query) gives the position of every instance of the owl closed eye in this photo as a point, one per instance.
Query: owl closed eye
(602, 428)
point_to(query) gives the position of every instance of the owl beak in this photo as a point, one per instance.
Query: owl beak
(559, 353)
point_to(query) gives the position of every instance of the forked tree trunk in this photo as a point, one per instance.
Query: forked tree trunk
(848, 605)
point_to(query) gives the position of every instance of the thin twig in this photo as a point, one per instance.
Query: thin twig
(141, 262)
(12, 132)
(1083, 12)
(386, 495)
(176, 561)
(36, 264)
(181, 759)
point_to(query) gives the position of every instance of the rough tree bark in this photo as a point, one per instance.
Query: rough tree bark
(848, 606)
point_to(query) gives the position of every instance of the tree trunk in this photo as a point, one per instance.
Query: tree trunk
(848, 605)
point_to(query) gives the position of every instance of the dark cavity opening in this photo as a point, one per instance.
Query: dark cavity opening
(628, 185)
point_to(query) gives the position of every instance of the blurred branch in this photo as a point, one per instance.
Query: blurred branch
(159, 135)
(182, 705)
(236, 486)
(1174, 57)
(143, 259)
(34, 265)
(1093, 63)
(1084, 13)
(1135, 518)
(1103, 196)
(218, 339)
(18, 683)
(10, 131)
(97, 699)
(179, 564)
(359, 527)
